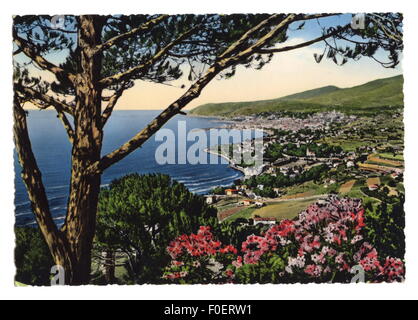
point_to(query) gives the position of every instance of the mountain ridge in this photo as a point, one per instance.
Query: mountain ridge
(361, 99)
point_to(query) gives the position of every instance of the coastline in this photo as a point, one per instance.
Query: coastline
(231, 164)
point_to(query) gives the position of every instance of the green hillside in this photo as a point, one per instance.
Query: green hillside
(311, 93)
(365, 99)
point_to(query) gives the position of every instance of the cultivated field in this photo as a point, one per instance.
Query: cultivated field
(227, 213)
(378, 160)
(298, 195)
(346, 187)
(372, 181)
(283, 210)
(390, 156)
(242, 213)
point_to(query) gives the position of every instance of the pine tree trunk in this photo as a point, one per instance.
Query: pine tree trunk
(80, 224)
(32, 179)
(110, 266)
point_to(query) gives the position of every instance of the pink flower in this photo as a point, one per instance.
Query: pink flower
(393, 270)
(371, 261)
(318, 258)
(175, 275)
(196, 245)
(177, 263)
(229, 249)
(254, 247)
(360, 220)
(314, 270)
(229, 273)
(237, 263)
(325, 238)
(340, 259)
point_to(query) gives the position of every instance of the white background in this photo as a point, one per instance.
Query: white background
(407, 290)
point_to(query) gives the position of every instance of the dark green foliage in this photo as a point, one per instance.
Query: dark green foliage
(274, 151)
(267, 192)
(277, 150)
(381, 194)
(385, 228)
(213, 34)
(141, 214)
(266, 271)
(32, 258)
(237, 231)
(218, 190)
(281, 180)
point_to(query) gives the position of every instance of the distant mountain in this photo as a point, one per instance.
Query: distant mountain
(311, 93)
(370, 98)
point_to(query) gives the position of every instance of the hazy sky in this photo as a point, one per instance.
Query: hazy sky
(288, 73)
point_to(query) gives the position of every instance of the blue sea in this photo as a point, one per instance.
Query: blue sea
(53, 153)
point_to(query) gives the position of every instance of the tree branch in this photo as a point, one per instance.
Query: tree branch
(394, 34)
(128, 74)
(18, 50)
(119, 38)
(244, 54)
(107, 112)
(303, 44)
(192, 93)
(32, 178)
(267, 22)
(67, 126)
(46, 99)
(61, 115)
(31, 52)
(34, 96)
(155, 125)
(190, 54)
(248, 34)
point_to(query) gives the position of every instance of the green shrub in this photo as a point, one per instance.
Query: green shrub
(32, 258)
(140, 214)
(385, 226)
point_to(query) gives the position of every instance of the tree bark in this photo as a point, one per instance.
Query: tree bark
(32, 178)
(80, 224)
(110, 266)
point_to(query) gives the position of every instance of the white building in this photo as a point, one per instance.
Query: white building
(265, 221)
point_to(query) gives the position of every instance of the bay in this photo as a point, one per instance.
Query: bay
(53, 153)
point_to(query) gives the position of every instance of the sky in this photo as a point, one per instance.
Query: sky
(289, 72)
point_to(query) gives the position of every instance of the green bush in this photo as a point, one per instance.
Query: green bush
(385, 226)
(140, 214)
(32, 258)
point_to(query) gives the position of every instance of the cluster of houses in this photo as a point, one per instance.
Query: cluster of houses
(292, 166)
(278, 121)
(245, 197)
(248, 198)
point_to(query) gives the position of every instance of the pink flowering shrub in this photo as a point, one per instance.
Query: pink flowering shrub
(198, 258)
(324, 244)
